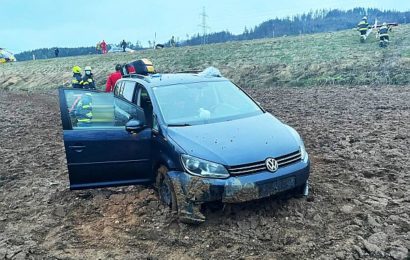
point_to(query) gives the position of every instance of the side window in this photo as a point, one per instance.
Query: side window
(155, 123)
(129, 88)
(146, 105)
(99, 110)
(118, 88)
(125, 89)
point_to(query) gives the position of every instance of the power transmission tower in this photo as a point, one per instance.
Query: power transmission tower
(204, 25)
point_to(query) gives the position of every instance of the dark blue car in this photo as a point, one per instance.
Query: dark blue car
(196, 137)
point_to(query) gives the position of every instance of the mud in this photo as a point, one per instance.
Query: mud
(358, 140)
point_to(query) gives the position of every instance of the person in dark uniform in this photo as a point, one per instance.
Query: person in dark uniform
(77, 81)
(88, 79)
(384, 34)
(84, 110)
(123, 45)
(363, 26)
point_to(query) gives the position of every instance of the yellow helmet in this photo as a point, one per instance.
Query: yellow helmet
(76, 69)
(87, 68)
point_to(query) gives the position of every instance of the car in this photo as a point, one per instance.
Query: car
(115, 49)
(6, 56)
(196, 137)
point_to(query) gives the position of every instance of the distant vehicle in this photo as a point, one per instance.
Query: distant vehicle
(196, 137)
(115, 49)
(6, 56)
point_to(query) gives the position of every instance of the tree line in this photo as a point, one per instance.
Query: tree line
(307, 23)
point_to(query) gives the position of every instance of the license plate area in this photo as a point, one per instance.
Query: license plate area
(271, 188)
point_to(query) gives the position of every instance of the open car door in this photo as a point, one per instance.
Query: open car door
(100, 151)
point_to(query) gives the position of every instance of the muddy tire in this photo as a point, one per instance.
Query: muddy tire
(165, 188)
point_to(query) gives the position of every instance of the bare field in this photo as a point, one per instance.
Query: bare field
(358, 140)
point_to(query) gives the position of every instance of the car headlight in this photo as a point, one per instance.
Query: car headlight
(203, 168)
(303, 152)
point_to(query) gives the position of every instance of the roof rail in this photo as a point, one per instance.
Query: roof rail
(138, 76)
(182, 71)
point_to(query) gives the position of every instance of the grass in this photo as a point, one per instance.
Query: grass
(318, 59)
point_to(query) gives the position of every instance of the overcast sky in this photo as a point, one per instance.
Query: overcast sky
(29, 24)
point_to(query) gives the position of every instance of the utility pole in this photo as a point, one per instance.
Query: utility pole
(204, 25)
(273, 31)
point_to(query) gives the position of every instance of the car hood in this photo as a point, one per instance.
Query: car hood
(236, 142)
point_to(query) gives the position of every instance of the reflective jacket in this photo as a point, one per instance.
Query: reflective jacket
(88, 81)
(77, 81)
(84, 109)
(383, 31)
(363, 26)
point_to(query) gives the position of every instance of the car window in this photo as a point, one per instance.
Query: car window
(204, 102)
(129, 88)
(146, 104)
(125, 90)
(88, 109)
(118, 88)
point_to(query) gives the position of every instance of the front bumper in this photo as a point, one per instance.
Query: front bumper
(192, 191)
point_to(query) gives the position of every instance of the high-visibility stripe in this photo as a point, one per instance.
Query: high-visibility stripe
(84, 120)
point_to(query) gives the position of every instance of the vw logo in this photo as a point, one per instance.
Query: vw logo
(271, 164)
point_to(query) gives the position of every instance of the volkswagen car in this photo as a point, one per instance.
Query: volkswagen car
(196, 137)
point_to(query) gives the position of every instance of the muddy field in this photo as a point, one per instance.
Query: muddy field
(359, 207)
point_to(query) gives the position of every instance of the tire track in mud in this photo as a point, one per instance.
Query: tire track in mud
(358, 140)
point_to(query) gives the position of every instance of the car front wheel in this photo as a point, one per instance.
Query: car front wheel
(165, 188)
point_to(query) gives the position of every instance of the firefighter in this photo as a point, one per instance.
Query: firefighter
(363, 26)
(77, 81)
(84, 110)
(384, 34)
(98, 47)
(88, 79)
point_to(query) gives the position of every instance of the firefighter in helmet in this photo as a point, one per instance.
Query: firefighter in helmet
(384, 33)
(363, 26)
(77, 81)
(88, 79)
(84, 110)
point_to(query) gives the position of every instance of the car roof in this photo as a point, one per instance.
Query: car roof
(157, 80)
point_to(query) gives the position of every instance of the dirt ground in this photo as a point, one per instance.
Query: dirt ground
(358, 140)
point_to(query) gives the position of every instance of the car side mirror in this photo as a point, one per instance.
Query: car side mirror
(134, 126)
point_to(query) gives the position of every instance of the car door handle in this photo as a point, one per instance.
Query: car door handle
(77, 148)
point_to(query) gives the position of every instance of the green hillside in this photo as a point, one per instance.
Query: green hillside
(318, 59)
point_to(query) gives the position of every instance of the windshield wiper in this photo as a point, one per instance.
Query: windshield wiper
(178, 125)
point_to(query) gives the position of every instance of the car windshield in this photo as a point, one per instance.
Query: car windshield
(203, 102)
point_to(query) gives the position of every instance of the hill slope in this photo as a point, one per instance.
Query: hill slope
(318, 59)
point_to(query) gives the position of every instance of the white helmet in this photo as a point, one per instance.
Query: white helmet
(384, 24)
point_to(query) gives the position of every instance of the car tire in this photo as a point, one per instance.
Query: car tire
(165, 188)
(299, 192)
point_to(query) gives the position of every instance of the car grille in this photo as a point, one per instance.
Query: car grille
(260, 166)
